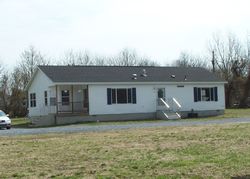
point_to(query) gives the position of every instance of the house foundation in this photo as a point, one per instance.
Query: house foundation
(53, 119)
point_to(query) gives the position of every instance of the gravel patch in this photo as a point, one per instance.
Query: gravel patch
(109, 127)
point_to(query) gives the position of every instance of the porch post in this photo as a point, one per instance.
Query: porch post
(56, 101)
(72, 98)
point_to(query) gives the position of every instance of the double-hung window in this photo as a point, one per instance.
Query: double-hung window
(65, 97)
(32, 99)
(45, 98)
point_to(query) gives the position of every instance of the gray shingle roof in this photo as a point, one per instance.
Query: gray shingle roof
(125, 74)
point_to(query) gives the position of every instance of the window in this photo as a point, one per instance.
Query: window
(205, 94)
(161, 93)
(52, 101)
(113, 96)
(32, 99)
(65, 97)
(129, 95)
(121, 95)
(45, 98)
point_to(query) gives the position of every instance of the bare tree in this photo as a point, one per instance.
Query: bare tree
(69, 58)
(4, 88)
(126, 57)
(30, 59)
(144, 61)
(188, 60)
(77, 58)
(229, 56)
(244, 102)
(18, 96)
(129, 57)
(231, 62)
(21, 75)
(1, 68)
(84, 58)
(102, 61)
(4, 92)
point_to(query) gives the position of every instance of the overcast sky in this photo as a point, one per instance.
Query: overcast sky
(159, 29)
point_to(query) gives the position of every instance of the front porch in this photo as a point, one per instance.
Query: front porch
(69, 99)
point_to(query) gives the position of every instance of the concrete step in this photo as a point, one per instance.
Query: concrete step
(173, 116)
(168, 115)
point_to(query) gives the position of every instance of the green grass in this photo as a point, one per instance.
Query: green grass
(234, 113)
(215, 151)
(229, 113)
(20, 122)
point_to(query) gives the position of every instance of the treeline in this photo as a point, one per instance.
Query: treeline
(13, 97)
(227, 56)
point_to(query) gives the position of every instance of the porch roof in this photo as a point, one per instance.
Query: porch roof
(84, 74)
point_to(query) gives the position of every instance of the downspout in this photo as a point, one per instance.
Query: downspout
(72, 107)
(56, 107)
(88, 98)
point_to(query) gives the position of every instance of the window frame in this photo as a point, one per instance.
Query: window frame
(52, 101)
(32, 100)
(205, 94)
(121, 95)
(46, 98)
(114, 96)
(65, 99)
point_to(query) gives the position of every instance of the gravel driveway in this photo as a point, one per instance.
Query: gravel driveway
(109, 127)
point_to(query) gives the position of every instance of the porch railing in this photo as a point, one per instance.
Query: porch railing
(72, 107)
(161, 102)
(168, 104)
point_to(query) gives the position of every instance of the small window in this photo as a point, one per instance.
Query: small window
(65, 97)
(32, 99)
(45, 98)
(161, 93)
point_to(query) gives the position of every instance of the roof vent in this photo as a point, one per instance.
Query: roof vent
(185, 78)
(134, 76)
(172, 76)
(144, 73)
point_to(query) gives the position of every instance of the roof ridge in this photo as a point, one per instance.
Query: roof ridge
(116, 66)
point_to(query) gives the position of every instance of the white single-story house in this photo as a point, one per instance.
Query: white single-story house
(69, 94)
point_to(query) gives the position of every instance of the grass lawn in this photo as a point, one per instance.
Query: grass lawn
(215, 151)
(233, 113)
(19, 122)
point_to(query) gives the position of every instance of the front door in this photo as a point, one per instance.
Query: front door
(161, 93)
(86, 99)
